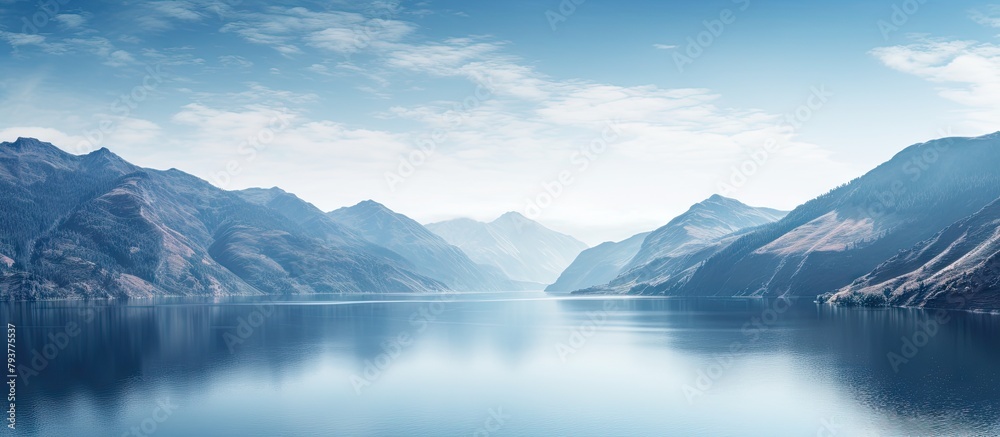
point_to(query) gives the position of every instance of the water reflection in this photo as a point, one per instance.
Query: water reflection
(565, 366)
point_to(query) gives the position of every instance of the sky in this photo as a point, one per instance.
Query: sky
(599, 119)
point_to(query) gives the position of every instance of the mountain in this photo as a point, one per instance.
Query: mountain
(430, 254)
(703, 224)
(958, 267)
(672, 252)
(831, 241)
(598, 265)
(98, 226)
(522, 249)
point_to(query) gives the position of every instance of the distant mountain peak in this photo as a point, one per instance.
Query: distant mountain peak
(717, 202)
(103, 152)
(265, 195)
(32, 144)
(513, 216)
(372, 205)
(523, 249)
(26, 142)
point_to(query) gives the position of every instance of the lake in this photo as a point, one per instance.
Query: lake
(501, 364)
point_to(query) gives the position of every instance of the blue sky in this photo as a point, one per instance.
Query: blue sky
(601, 119)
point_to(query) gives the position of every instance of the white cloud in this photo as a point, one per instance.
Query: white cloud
(966, 72)
(181, 10)
(102, 48)
(288, 29)
(157, 16)
(990, 18)
(318, 69)
(664, 46)
(504, 145)
(18, 40)
(508, 127)
(235, 61)
(71, 21)
(119, 58)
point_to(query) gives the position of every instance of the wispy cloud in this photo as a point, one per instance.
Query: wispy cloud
(288, 30)
(19, 40)
(989, 16)
(103, 48)
(158, 16)
(235, 61)
(967, 73)
(509, 125)
(71, 21)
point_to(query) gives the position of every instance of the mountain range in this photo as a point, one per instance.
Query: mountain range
(671, 251)
(521, 248)
(922, 229)
(919, 230)
(430, 254)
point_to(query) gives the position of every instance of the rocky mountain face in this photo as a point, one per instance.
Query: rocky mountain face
(703, 224)
(671, 253)
(521, 248)
(957, 268)
(429, 254)
(828, 243)
(97, 226)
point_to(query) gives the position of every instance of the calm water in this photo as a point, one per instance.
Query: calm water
(505, 364)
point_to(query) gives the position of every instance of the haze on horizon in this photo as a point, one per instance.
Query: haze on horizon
(623, 113)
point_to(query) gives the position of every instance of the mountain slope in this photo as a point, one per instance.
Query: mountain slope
(522, 249)
(430, 254)
(703, 224)
(598, 265)
(97, 226)
(958, 267)
(671, 253)
(843, 235)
